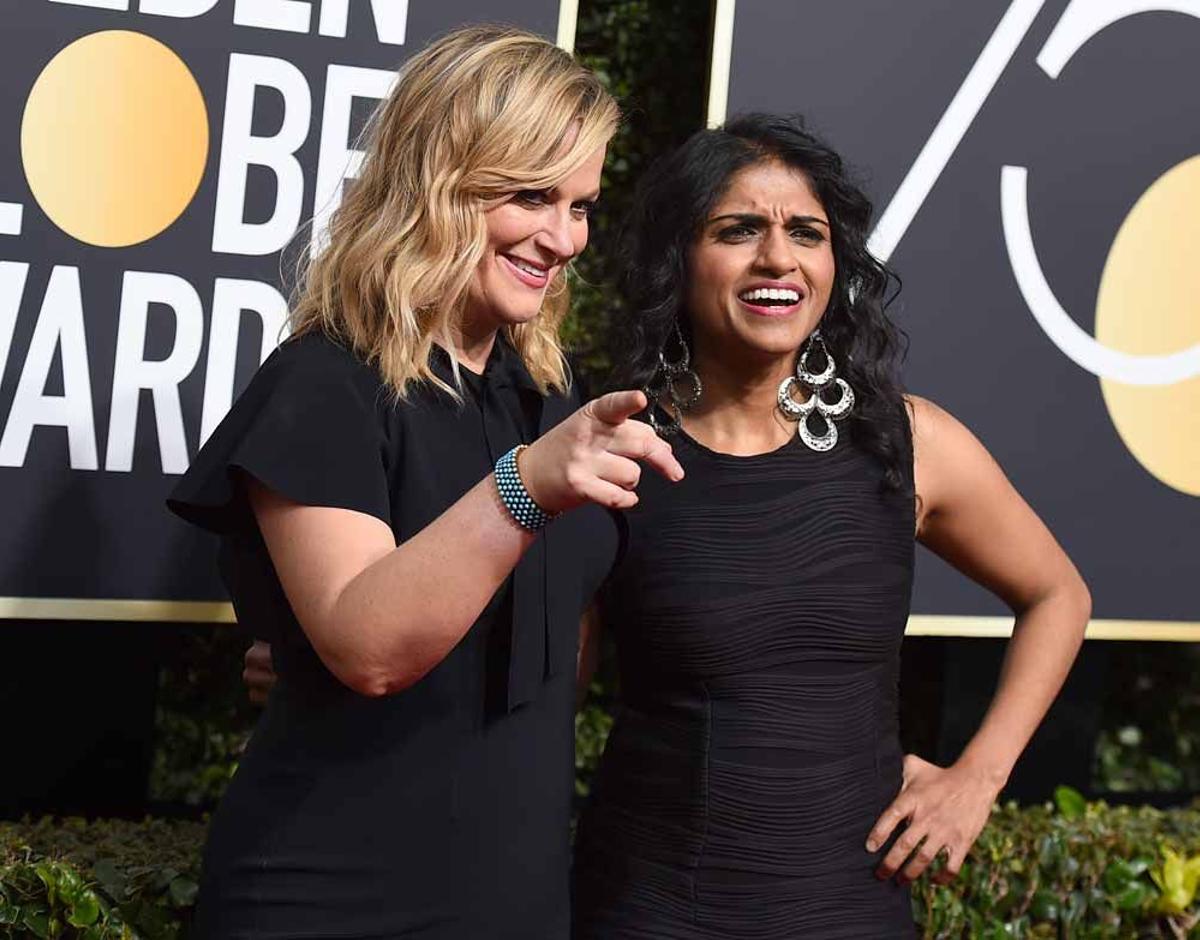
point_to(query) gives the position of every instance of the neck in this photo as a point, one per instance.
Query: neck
(473, 344)
(737, 413)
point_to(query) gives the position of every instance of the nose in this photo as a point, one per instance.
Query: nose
(556, 234)
(775, 255)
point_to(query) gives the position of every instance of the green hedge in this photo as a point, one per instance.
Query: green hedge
(1072, 870)
(98, 880)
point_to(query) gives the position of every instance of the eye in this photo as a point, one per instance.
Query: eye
(806, 233)
(736, 233)
(531, 197)
(583, 209)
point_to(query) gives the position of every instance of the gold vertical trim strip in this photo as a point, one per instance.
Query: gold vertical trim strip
(722, 53)
(568, 19)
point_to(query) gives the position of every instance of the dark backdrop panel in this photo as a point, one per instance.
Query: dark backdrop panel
(103, 533)
(875, 78)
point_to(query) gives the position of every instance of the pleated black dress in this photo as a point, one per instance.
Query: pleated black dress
(758, 611)
(442, 811)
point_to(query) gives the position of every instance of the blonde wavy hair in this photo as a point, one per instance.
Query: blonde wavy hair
(481, 113)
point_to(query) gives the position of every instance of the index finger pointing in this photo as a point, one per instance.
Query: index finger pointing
(660, 456)
(616, 407)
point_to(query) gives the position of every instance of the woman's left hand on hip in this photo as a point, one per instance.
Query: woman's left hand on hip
(945, 809)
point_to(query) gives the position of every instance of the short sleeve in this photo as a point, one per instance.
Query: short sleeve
(308, 427)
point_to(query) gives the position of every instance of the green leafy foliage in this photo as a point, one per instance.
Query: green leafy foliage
(1073, 869)
(1108, 872)
(104, 880)
(592, 725)
(652, 56)
(1150, 732)
(203, 719)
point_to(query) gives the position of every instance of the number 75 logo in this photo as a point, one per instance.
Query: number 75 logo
(1152, 419)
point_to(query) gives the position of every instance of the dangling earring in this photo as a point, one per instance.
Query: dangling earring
(816, 383)
(663, 391)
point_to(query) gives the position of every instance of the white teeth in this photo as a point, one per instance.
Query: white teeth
(771, 293)
(527, 268)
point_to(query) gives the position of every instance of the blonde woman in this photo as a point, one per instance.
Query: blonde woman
(411, 775)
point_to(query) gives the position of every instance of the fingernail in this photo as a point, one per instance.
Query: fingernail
(871, 845)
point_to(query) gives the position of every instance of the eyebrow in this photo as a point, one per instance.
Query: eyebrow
(593, 196)
(749, 218)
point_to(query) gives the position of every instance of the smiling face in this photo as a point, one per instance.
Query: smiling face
(761, 270)
(530, 238)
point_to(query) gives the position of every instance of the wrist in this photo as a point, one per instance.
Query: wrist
(528, 464)
(514, 492)
(988, 770)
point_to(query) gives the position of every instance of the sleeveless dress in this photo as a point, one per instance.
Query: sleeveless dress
(441, 812)
(758, 611)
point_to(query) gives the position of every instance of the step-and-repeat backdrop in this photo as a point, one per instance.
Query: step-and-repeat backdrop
(155, 157)
(1036, 167)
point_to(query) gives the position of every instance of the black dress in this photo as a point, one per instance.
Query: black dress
(442, 811)
(758, 612)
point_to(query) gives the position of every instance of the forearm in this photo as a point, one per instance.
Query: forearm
(381, 616)
(403, 614)
(1045, 640)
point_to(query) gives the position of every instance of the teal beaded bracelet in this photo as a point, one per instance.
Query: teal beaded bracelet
(513, 494)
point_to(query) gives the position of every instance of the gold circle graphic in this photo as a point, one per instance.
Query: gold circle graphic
(114, 138)
(1147, 305)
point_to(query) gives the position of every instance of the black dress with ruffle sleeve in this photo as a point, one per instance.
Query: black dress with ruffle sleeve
(441, 811)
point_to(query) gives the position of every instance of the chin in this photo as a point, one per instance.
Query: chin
(518, 316)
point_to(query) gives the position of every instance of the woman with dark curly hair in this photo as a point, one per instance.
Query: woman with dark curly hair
(754, 785)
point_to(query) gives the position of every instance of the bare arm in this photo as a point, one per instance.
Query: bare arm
(970, 515)
(381, 615)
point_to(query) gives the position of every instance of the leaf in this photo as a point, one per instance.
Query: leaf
(37, 921)
(1044, 905)
(1133, 896)
(1070, 802)
(85, 911)
(1074, 908)
(110, 878)
(1118, 874)
(183, 891)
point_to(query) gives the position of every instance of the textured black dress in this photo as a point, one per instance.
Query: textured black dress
(442, 811)
(758, 611)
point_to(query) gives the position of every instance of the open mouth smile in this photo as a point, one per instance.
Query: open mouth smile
(529, 273)
(771, 300)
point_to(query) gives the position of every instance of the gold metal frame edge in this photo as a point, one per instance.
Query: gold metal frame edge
(115, 609)
(220, 612)
(949, 625)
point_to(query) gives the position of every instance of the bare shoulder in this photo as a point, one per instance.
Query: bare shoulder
(951, 467)
(937, 434)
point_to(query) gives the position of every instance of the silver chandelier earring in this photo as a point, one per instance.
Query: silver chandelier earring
(817, 384)
(675, 386)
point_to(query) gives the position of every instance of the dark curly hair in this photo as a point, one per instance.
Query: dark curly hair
(670, 204)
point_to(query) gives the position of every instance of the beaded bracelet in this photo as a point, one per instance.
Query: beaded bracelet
(513, 494)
